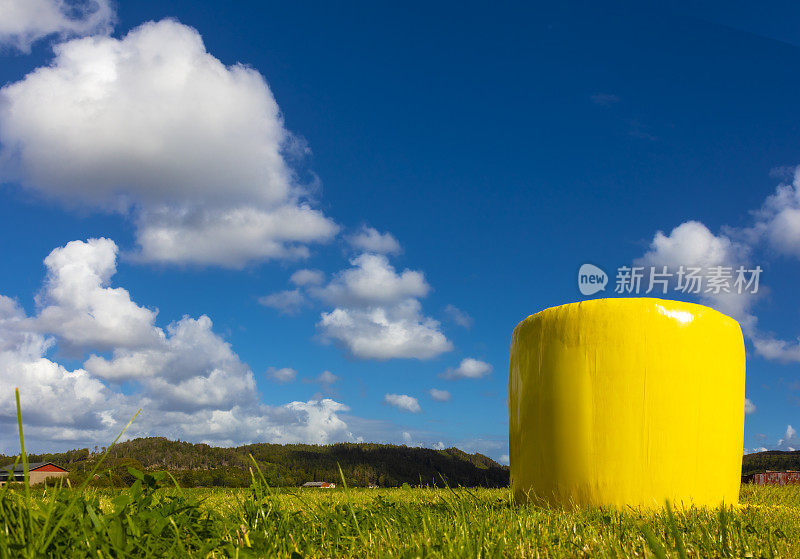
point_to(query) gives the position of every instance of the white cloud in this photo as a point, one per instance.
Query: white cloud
(439, 446)
(777, 222)
(403, 402)
(439, 395)
(302, 278)
(779, 350)
(691, 244)
(78, 305)
(314, 421)
(468, 368)
(229, 237)
(749, 407)
(287, 302)
(23, 22)
(370, 240)
(372, 281)
(153, 125)
(52, 396)
(318, 422)
(407, 437)
(504, 459)
(461, 318)
(188, 380)
(284, 374)
(378, 314)
(386, 333)
(192, 368)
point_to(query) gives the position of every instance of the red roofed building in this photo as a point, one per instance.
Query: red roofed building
(37, 472)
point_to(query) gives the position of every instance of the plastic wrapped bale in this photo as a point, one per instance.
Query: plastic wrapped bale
(627, 402)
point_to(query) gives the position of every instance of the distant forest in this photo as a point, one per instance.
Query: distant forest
(362, 464)
(777, 460)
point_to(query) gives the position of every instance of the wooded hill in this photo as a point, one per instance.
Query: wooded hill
(778, 460)
(363, 464)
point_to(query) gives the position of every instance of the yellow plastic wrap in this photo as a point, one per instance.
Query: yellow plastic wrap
(617, 402)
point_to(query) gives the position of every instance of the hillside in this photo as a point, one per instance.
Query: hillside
(293, 464)
(287, 465)
(770, 460)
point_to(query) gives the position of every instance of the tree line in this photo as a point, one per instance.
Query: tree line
(362, 464)
(777, 460)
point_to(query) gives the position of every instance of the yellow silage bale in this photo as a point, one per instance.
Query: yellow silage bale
(618, 402)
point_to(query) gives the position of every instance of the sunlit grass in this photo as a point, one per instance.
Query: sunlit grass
(148, 521)
(156, 518)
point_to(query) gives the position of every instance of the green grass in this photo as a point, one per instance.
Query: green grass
(148, 520)
(156, 518)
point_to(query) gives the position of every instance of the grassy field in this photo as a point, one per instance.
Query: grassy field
(149, 520)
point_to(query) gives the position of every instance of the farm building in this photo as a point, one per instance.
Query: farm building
(777, 478)
(319, 484)
(37, 471)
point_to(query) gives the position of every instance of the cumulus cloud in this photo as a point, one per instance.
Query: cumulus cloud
(504, 459)
(317, 422)
(439, 395)
(154, 126)
(459, 317)
(403, 402)
(468, 368)
(749, 407)
(61, 400)
(386, 333)
(691, 244)
(372, 281)
(285, 374)
(188, 380)
(78, 305)
(371, 240)
(23, 22)
(289, 301)
(777, 222)
(377, 312)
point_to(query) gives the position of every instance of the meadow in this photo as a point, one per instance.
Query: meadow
(154, 518)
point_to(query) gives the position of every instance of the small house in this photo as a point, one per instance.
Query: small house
(319, 484)
(37, 472)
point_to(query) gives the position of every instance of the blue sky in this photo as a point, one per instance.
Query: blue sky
(442, 172)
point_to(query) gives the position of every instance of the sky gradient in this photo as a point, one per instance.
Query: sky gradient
(307, 222)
